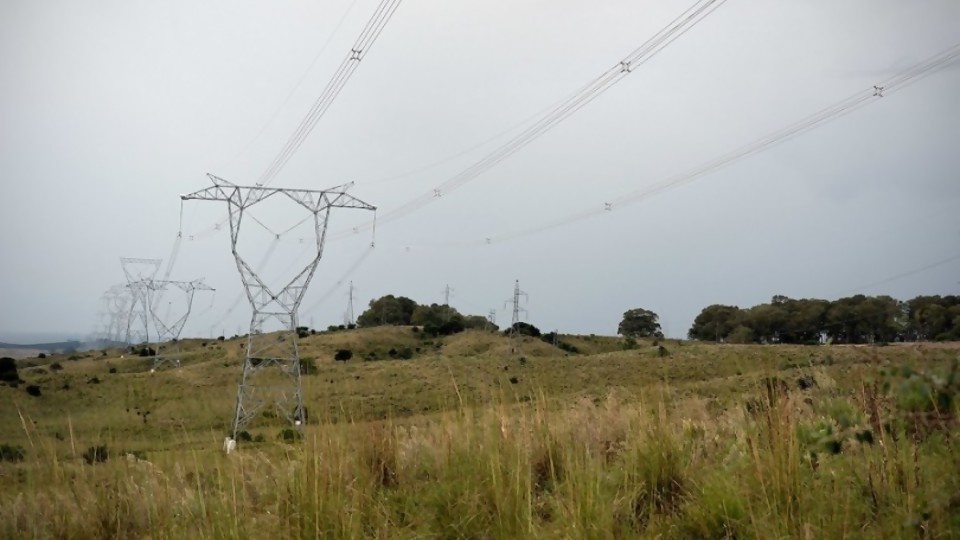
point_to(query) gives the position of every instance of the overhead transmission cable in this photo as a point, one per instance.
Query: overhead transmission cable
(902, 275)
(471, 148)
(676, 28)
(358, 52)
(298, 84)
(371, 31)
(216, 226)
(339, 283)
(843, 107)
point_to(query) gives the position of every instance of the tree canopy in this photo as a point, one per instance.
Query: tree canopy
(388, 310)
(640, 323)
(436, 319)
(853, 319)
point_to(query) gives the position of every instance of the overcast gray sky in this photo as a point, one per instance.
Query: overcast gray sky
(112, 108)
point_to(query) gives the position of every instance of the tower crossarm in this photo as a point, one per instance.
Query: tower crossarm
(313, 200)
(139, 269)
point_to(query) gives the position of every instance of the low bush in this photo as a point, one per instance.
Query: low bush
(9, 452)
(96, 454)
(289, 435)
(8, 371)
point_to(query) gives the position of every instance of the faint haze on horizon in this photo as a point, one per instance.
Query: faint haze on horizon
(113, 109)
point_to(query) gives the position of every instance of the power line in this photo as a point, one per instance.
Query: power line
(364, 42)
(676, 28)
(368, 36)
(333, 288)
(471, 148)
(841, 108)
(902, 275)
(299, 82)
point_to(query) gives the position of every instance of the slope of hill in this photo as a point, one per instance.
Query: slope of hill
(471, 439)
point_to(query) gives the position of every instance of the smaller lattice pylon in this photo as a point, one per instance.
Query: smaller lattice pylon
(168, 332)
(138, 272)
(515, 300)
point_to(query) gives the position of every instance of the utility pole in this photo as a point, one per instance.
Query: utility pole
(260, 385)
(492, 317)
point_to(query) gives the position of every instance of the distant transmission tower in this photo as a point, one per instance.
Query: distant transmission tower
(517, 293)
(447, 292)
(112, 315)
(260, 386)
(169, 332)
(348, 318)
(138, 273)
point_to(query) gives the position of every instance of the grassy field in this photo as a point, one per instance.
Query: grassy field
(466, 440)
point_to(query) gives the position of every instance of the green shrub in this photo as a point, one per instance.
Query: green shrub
(289, 435)
(96, 454)
(10, 452)
(8, 371)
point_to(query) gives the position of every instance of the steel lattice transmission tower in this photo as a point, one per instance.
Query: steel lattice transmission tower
(171, 332)
(514, 335)
(138, 273)
(112, 315)
(260, 385)
(517, 293)
(348, 317)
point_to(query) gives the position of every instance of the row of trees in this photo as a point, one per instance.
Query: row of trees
(435, 319)
(854, 319)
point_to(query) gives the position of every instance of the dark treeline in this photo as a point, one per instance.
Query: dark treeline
(855, 319)
(435, 319)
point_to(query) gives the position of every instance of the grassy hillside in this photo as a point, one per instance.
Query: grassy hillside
(478, 436)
